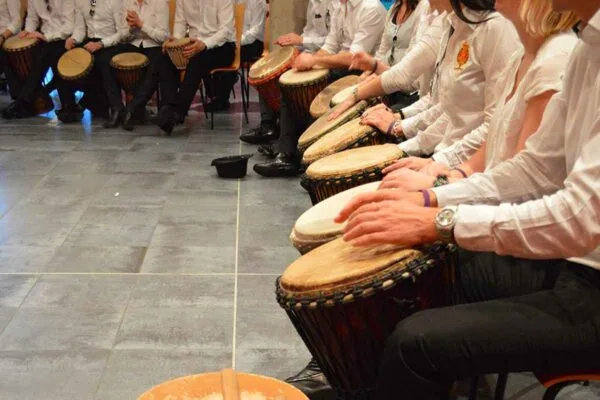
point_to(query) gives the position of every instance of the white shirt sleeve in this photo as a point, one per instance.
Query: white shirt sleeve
(225, 16)
(180, 25)
(121, 27)
(14, 12)
(33, 20)
(418, 107)
(420, 122)
(333, 41)
(67, 19)
(79, 31)
(424, 142)
(160, 31)
(255, 23)
(421, 58)
(370, 29)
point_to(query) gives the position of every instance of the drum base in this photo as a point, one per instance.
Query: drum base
(42, 103)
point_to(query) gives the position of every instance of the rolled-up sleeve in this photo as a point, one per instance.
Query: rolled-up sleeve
(67, 19)
(14, 14)
(160, 31)
(225, 18)
(119, 18)
(424, 142)
(255, 23)
(333, 41)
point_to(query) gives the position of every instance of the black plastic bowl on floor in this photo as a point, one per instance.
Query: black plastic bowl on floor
(232, 167)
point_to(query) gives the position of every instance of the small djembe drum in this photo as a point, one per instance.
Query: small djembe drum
(19, 54)
(75, 66)
(322, 103)
(300, 89)
(345, 301)
(130, 69)
(342, 95)
(265, 73)
(174, 50)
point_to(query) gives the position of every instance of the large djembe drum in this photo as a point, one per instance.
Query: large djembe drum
(342, 171)
(265, 73)
(75, 66)
(346, 301)
(19, 54)
(130, 69)
(300, 89)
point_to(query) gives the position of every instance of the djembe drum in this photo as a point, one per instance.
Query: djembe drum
(224, 385)
(264, 74)
(342, 95)
(345, 301)
(321, 103)
(130, 69)
(75, 66)
(19, 54)
(300, 89)
(342, 171)
(316, 226)
(175, 49)
(350, 135)
(323, 125)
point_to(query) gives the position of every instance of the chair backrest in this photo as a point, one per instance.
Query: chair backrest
(172, 8)
(23, 9)
(239, 28)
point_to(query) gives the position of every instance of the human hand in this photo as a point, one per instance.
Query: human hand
(436, 169)
(380, 118)
(194, 47)
(290, 39)
(134, 20)
(304, 62)
(38, 35)
(362, 61)
(414, 163)
(341, 108)
(407, 180)
(93, 47)
(69, 44)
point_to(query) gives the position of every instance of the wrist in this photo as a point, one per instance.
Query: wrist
(374, 66)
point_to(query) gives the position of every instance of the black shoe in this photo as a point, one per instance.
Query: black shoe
(128, 121)
(312, 382)
(116, 114)
(267, 150)
(167, 119)
(283, 165)
(69, 114)
(17, 110)
(265, 133)
(217, 105)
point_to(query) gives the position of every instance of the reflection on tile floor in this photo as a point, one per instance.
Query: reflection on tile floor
(124, 261)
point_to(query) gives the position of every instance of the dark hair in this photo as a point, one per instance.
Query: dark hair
(411, 5)
(475, 5)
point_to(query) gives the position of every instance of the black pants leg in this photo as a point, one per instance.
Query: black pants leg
(267, 115)
(108, 76)
(14, 82)
(198, 69)
(522, 316)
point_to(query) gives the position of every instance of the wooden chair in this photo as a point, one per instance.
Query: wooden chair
(235, 66)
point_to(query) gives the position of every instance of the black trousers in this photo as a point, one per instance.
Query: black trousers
(107, 76)
(45, 56)
(518, 315)
(198, 69)
(160, 74)
(14, 82)
(223, 82)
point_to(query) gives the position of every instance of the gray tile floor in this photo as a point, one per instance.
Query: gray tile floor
(125, 262)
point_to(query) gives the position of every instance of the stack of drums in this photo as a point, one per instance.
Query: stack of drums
(300, 89)
(131, 69)
(342, 171)
(75, 66)
(265, 73)
(350, 135)
(19, 54)
(321, 103)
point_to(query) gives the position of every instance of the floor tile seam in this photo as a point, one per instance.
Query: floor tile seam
(136, 274)
(236, 259)
(19, 307)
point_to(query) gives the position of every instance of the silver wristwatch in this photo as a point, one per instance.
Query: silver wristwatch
(445, 222)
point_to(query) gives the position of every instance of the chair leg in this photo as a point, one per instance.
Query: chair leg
(501, 386)
(212, 112)
(244, 97)
(473, 388)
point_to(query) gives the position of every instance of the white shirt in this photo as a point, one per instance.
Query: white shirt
(469, 67)
(356, 26)
(107, 23)
(544, 74)
(403, 33)
(155, 16)
(10, 16)
(254, 21)
(419, 63)
(318, 23)
(555, 180)
(211, 21)
(56, 24)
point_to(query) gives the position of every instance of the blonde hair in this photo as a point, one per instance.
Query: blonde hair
(542, 21)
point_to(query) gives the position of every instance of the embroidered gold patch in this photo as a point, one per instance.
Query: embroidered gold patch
(463, 57)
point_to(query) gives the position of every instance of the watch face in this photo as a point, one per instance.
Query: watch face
(446, 217)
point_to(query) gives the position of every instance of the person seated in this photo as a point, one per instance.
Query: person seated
(211, 28)
(528, 271)
(252, 46)
(356, 26)
(10, 25)
(147, 24)
(55, 20)
(529, 80)
(104, 23)
(318, 22)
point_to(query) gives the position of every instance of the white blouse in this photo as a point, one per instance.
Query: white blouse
(544, 74)
(211, 21)
(470, 65)
(10, 16)
(403, 33)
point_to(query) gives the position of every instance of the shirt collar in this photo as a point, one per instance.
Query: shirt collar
(354, 3)
(470, 14)
(591, 33)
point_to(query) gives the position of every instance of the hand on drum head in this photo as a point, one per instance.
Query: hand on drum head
(196, 46)
(23, 34)
(69, 44)
(414, 163)
(290, 39)
(168, 40)
(341, 108)
(367, 198)
(361, 61)
(380, 118)
(436, 169)
(408, 180)
(93, 47)
(395, 222)
(304, 62)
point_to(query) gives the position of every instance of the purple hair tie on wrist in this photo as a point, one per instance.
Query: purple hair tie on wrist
(462, 172)
(426, 198)
(390, 129)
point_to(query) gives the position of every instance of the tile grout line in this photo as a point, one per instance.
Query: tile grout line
(134, 274)
(237, 252)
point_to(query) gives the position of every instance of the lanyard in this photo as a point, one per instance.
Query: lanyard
(436, 74)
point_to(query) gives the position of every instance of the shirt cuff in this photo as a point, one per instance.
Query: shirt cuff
(410, 147)
(409, 127)
(473, 229)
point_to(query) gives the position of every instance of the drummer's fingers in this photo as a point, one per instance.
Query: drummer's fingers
(402, 163)
(353, 205)
(389, 184)
(365, 228)
(371, 239)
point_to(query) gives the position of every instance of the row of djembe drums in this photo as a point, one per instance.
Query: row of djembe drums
(75, 66)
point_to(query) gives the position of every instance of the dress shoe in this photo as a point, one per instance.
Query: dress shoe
(282, 165)
(167, 119)
(128, 121)
(216, 105)
(70, 113)
(312, 382)
(265, 133)
(116, 114)
(17, 110)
